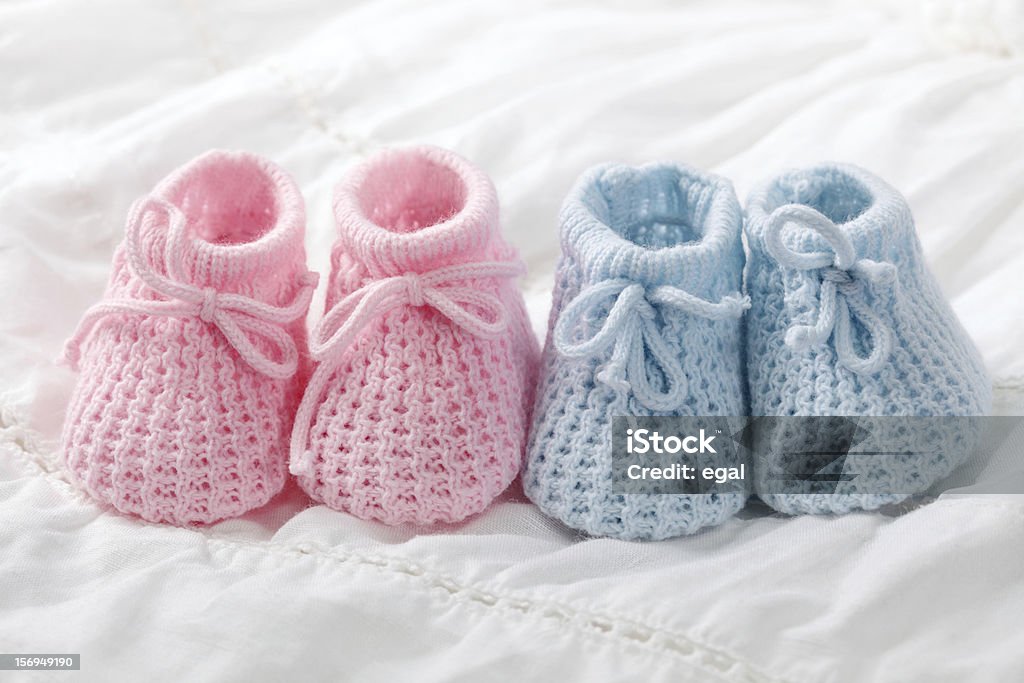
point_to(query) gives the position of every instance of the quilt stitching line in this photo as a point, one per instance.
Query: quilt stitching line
(214, 55)
(620, 628)
(295, 91)
(358, 146)
(625, 630)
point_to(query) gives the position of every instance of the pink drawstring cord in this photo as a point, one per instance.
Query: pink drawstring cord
(239, 318)
(436, 288)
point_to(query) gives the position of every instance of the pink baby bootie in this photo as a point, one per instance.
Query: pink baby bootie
(417, 409)
(191, 366)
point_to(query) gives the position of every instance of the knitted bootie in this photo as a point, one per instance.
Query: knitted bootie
(846, 320)
(417, 410)
(646, 320)
(189, 365)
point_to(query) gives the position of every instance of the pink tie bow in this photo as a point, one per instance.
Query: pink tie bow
(241, 319)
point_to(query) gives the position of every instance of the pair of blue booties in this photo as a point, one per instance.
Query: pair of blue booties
(658, 310)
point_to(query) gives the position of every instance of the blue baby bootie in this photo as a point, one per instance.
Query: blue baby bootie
(646, 321)
(847, 320)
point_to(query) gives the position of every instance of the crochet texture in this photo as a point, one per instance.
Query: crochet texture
(646, 320)
(417, 410)
(846, 319)
(190, 364)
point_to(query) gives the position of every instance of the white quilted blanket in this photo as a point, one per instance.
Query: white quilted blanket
(99, 100)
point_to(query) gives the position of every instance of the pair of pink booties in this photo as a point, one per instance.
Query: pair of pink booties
(199, 390)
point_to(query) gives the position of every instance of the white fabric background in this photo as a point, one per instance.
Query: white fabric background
(99, 100)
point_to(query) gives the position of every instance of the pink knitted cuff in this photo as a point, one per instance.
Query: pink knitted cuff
(245, 218)
(412, 209)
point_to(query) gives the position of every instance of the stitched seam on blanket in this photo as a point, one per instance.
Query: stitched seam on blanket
(298, 93)
(302, 97)
(621, 629)
(214, 55)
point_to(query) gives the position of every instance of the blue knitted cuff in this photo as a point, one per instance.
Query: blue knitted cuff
(655, 224)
